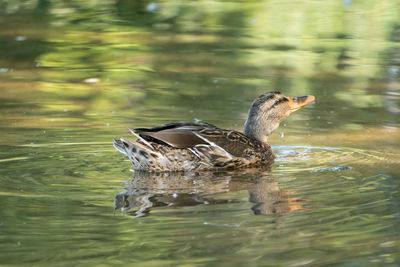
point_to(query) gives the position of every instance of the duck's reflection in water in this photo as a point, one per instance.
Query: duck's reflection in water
(148, 191)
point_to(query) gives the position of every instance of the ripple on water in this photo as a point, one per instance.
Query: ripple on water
(329, 159)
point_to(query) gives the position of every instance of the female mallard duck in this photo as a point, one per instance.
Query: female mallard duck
(186, 146)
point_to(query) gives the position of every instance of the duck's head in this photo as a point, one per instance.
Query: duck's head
(267, 112)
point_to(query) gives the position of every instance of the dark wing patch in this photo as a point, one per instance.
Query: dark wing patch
(178, 134)
(174, 137)
(174, 125)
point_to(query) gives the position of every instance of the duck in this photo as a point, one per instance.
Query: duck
(188, 146)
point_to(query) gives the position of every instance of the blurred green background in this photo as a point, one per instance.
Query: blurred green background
(76, 74)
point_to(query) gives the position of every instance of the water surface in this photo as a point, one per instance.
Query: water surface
(73, 76)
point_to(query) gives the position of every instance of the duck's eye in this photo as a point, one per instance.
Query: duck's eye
(279, 101)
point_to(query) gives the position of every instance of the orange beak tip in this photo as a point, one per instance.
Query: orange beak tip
(299, 102)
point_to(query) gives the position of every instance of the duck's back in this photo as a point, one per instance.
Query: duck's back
(186, 146)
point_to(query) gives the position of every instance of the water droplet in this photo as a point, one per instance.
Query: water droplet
(348, 2)
(175, 195)
(253, 21)
(20, 38)
(91, 80)
(152, 7)
(394, 70)
(205, 223)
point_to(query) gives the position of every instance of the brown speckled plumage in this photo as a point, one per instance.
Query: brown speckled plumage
(185, 146)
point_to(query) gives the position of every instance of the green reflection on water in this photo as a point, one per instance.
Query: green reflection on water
(75, 75)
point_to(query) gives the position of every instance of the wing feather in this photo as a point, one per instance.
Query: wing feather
(235, 143)
(178, 135)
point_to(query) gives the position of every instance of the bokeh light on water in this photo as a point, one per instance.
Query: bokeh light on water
(75, 75)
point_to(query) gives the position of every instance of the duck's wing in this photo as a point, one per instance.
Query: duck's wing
(235, 143)
(190, 135)
(188, 146)
(177, 134)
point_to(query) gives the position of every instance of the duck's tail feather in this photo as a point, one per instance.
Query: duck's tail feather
(142, 156)
(119, 145)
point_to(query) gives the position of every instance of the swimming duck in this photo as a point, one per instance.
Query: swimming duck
(187, 146)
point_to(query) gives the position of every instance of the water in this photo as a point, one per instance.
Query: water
(73, 76)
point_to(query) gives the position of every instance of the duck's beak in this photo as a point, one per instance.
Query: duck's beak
(296, 103)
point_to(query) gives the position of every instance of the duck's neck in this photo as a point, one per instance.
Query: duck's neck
(259, 127)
